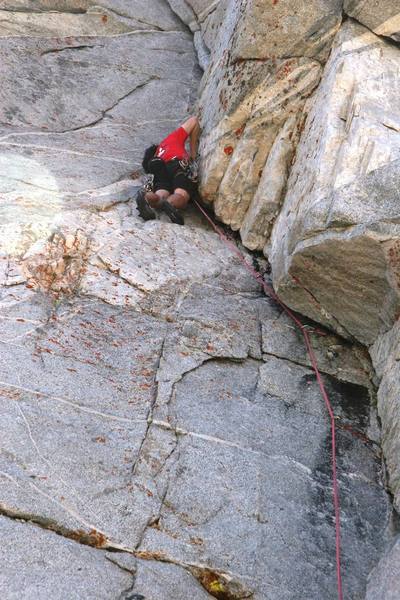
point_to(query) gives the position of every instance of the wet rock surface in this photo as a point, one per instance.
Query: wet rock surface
(163, 435)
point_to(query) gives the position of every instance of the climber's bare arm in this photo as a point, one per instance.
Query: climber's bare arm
(192, 127)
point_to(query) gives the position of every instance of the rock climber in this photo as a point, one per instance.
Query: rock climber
(173, 182)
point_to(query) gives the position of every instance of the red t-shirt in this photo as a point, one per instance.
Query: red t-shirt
(173, 146)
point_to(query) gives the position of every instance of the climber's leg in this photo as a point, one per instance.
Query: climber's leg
(179, 198)
(155, 198)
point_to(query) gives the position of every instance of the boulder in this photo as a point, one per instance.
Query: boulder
(335, 244)
(381, 16)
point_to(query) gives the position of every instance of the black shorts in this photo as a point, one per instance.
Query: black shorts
(170, 176)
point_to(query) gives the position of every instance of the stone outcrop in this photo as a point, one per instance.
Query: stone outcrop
(266, 203)
(335, 244)
(335, 247)
(163, 432)
(381, 16)
(251, 104)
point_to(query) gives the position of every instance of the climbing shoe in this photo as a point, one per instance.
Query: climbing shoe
(143, 207)
(173, 213)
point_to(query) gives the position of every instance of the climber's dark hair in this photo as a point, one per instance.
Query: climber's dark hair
(148, 155)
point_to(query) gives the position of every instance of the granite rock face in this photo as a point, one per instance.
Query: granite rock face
(204, 18)
(266, 203)
(335, 244)
(331, 200)
(40, 564)
(128, 410)
(163, 435)
(24, 17)
(77, 110)
(172, 416)
(381, 16)
(384, 584)
(252, 100)
(385, 354)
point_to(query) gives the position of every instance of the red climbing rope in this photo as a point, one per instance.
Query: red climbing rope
(269, 291)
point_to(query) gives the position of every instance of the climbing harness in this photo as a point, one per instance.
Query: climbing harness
(269, 291)
(190, 168)
(148, 183)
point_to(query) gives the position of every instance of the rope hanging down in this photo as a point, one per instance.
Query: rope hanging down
(269, 291)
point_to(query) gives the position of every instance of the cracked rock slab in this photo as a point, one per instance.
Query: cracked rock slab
(49, 24)
(131, 13)
(283, 339)
(252, 444)
(152, 267)
(76, 418)
(156, 580)
(145, 409)
(39, 564)
(189, 471)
